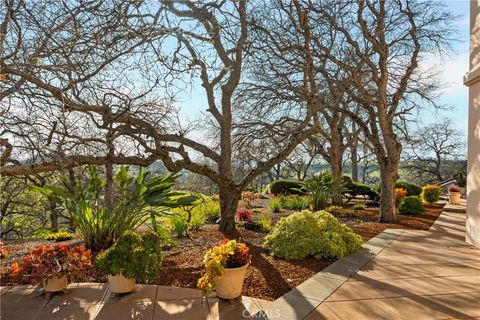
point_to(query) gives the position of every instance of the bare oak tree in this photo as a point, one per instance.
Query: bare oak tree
(101, 75)
(379, 46)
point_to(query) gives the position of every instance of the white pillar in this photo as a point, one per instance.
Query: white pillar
(472, 80)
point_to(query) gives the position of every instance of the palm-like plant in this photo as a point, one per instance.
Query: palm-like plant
(321, 188)
(137, 200)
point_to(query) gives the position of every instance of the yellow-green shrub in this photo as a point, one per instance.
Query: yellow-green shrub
(60, 236)
(431, 193)
(317, 234)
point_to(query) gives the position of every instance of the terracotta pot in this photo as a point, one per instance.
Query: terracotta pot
(454, 197)
(120, 284)
(55, 284)
(230, 285)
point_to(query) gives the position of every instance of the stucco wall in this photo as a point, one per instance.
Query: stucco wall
(472, 80)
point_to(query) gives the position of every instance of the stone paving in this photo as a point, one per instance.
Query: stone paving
(86, 301)
(400, 274)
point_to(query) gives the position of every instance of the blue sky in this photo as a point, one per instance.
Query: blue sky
(454, 68)
(455, 95)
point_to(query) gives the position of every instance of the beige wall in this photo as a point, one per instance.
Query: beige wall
(472, 80)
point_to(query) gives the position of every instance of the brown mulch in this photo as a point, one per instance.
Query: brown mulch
(267, 278)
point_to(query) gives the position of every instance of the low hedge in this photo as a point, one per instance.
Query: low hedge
(286, 187)
(354, 189)
(412, 189)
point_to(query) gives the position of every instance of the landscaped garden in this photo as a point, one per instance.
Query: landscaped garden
(236, 147)
(291, 230)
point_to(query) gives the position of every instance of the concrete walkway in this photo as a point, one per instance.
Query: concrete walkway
(87, 301)
(417, 275)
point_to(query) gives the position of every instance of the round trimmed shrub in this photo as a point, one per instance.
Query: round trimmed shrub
(411, 205)
(286, 187)
(317, 234)
(431, 193)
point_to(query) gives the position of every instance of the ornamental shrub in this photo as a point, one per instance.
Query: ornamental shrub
(286, 187)
(354, 189)
(294, 202)
(412, 189)
(359, 206)
(249, 198)
(431, 193)
(136, 256)
(244, 214)
(265, 220)
(400, 194)
(59, 236)
(317, 234)
(276, 205)
(411, 205)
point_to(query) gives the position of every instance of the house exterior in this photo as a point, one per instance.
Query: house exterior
(472, 80)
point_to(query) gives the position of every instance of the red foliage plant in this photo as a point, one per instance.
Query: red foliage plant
(244, 215)
(45, 262)
(454, 189)
(240, 256)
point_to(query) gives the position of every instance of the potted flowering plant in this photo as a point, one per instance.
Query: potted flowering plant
(133, 257)
(226, 265)
(50, 265)
(454, 194)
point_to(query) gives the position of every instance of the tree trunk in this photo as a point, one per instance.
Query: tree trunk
(354, 159)
(388, 209)
(336, 165)
(53, 215)
(229, 198)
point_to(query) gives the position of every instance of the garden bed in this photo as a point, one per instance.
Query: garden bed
(268, 277)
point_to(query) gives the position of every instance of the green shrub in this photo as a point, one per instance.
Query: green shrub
(135, 201)
(348, 183)
(431, 193)
(411, 205)
(335, 209)
(197, 221)
(348, 213)
(286, 187)
(412, 189)
(317, 234)
(294, 202)
(265, 220)
(321, 188)
(276, 205)
(210, 209)
(60, 236)
(136, 256)
(359, 206)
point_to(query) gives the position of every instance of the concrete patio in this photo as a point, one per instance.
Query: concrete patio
(400, 274)
(85, 301)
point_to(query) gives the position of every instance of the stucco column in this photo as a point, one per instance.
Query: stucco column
(472, 80)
